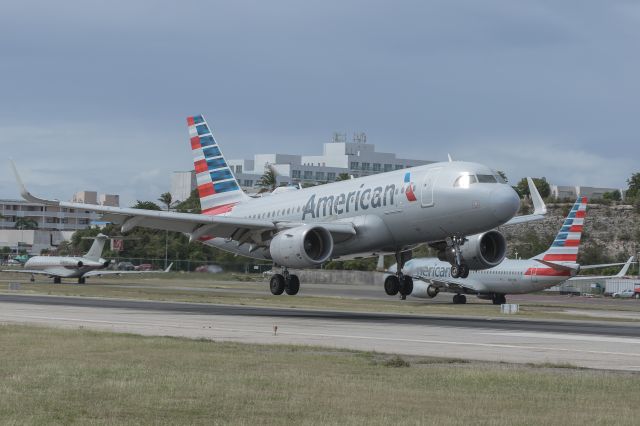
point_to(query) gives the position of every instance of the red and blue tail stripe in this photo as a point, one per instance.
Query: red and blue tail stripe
(217, 186)
(566, 244)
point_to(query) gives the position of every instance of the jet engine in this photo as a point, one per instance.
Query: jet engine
(71, 263)
(424, 290)
(302, 247)
(480, 251)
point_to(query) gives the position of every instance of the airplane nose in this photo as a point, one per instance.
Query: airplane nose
(505, 202)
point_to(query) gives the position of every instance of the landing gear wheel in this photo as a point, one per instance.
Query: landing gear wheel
(391, 285)
(406, 285)
(455, 271)
(81, 280)
(277, 284)
(499, 299)
(57, 280)
(464, 271)
(292, 285)
(459, 299)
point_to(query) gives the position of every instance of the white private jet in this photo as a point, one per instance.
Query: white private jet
(80, 267)
(512, 276)
(391, 212)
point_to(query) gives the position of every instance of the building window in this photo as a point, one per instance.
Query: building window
(331, 176)
(248, 182)
(295, 174)
(354, 165)
(388, 167)
(308, 174)
(376, 167)
(366, 166)
(238, 169)
(399, 166)
(319, 175)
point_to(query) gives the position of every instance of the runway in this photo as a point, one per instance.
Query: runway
(600, 345)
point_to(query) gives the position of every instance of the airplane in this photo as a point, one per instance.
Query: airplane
(511, 276)
(392, 212)
(80, 267)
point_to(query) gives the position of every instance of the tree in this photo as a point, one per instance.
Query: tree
(634, 186)
(343, 176)
(191, 204)
(26, 223)
(612, 196)
(268, 179)
(167, 200)
(503, 175)
(541, 184)
(146, 205)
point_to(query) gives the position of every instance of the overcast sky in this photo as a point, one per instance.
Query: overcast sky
(94, 94)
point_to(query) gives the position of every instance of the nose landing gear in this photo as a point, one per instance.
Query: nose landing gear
(459, 269)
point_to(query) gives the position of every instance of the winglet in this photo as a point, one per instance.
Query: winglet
(539, 208)
(26, 194)
(625, 268)
(168, 267)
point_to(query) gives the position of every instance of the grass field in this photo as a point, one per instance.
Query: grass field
(52, 376)
(229, 289)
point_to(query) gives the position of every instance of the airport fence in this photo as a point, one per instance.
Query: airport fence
(188, 265)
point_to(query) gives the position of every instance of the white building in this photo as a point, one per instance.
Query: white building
(572, 192)
(53, 224)
(357, 158)
(182, 183)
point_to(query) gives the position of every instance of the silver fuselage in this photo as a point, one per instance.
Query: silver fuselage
(63, 266)
(385, 216)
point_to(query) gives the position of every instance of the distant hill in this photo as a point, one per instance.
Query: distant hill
(611, 233)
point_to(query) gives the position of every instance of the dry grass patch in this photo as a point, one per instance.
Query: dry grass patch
(51, 376)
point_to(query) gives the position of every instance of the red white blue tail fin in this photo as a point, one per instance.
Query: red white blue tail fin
(564, 248)
(217, 186)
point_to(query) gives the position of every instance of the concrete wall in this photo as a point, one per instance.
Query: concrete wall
(325, 276)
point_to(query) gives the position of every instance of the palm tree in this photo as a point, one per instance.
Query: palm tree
(268, 180)
(167, 200)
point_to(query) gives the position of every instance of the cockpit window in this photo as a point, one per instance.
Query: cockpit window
(487, 179)
(464, 180)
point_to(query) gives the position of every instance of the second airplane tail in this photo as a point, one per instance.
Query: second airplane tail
(564, 248)
(217, 186)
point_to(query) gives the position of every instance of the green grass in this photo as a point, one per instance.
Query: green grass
(52, 376)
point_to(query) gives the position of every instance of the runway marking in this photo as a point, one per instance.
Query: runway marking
(579, 337)
(340, 336)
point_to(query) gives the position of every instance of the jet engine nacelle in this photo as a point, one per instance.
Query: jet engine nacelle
(72, 263)
(424, 290)
(302, 247)
(480, 251)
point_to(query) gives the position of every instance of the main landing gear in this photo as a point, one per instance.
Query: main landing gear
(459, 269)
(499, 299)
(399, 283)
(459, 299)
(284, 283)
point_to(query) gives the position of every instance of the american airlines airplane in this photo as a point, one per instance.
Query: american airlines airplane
(391, 212)
(552, 267)
(80, 267)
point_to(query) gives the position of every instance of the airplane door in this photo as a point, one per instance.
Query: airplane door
(428, 185)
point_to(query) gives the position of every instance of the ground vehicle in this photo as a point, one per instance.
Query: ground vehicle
(627, 294)
(212, 269)
(126, 266)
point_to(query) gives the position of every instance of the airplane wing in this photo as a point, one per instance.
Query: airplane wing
(196, 225)
(50, 273)
(539, 207)
(620, 274)
(100, 272)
